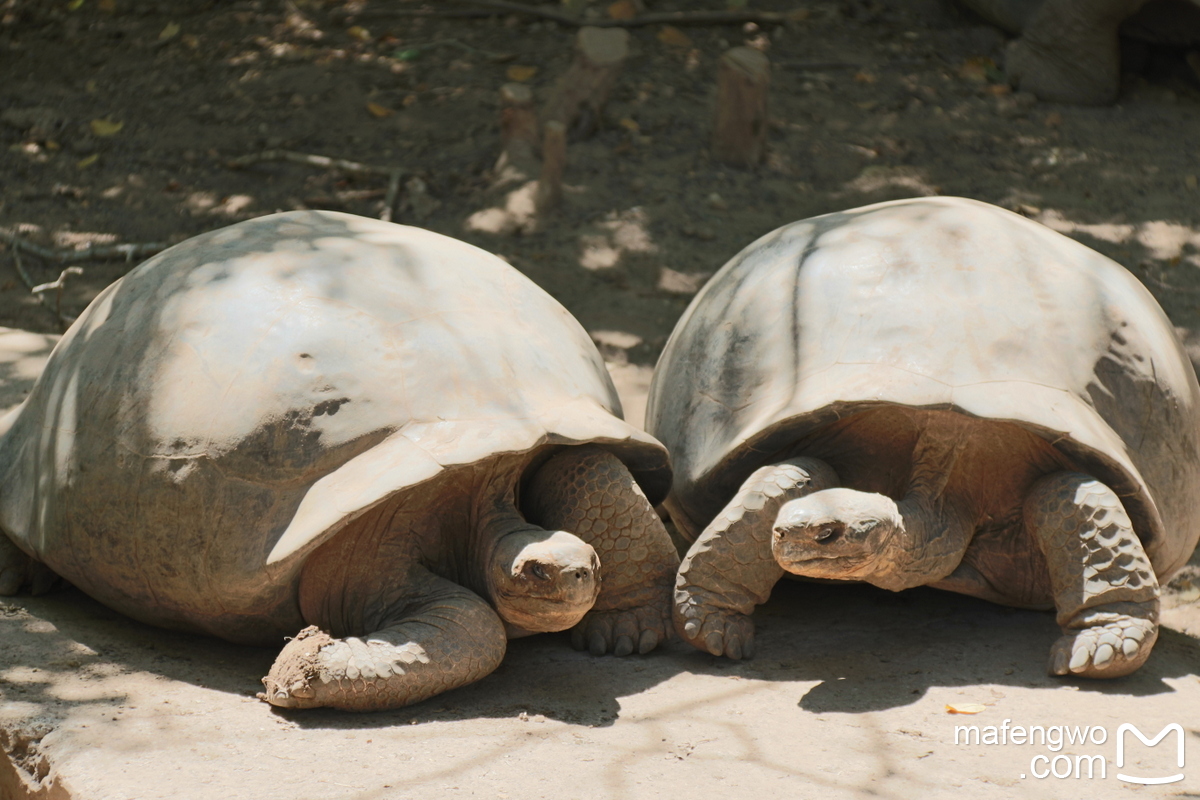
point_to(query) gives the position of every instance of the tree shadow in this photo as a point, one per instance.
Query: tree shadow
(874, 650)
(868, 650)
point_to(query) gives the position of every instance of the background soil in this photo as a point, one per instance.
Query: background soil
(119, 118)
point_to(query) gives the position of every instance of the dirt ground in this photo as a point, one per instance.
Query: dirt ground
(118, 120)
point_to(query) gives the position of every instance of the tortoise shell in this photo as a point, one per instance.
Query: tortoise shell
(229, 405)
(932, 303)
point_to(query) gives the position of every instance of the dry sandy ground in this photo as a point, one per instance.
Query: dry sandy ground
(847, 699)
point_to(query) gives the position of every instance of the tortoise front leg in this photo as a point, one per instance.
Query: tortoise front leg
(447, 638)
(1104, 586)
(730, 568)
(589, 492)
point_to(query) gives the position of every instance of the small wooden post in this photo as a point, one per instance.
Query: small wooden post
(740, 132)
(554, 161)
(518, 123)
(584, 89)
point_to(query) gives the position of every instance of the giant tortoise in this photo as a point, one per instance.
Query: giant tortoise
(931, 392)
(366, 434)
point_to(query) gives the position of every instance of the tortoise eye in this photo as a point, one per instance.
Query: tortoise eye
(539, 572)
(826, 534)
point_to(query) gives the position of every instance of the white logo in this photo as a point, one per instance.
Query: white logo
(1173, 727)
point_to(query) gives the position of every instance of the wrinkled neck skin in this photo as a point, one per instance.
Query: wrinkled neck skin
(537, 580)
(925, 547)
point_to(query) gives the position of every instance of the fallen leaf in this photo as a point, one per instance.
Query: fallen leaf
(169, 32)
(800, 14)
(106, 127)
(407, 55)
(74, 4)
(864, 77)
(520, 74)
(630, 124)
(360, 33)
(107, 6)
(673, 37)
(379, 111)
(965, 708)
(975, 69)
(84, 163)
(622, 9)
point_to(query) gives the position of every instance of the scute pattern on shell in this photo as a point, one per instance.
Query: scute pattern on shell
(936, 303)
(224, 408)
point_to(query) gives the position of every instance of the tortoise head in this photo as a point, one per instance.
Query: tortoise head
(541, 580)
(836, 533)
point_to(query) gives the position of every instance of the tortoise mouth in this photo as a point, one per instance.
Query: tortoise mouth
(541, 615)
(826, 566)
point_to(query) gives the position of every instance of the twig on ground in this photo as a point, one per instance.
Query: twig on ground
(322, 162)
(664, 18)
(394, 174)
(22, 274)
(40, 290)
(488, 54)
(59, 283)
(393, 192)
(58, 286)
(88, 253)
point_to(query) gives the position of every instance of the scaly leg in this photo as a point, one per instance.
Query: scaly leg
(446, 638)
(730, 569)
(1105, 589)
(590, 493)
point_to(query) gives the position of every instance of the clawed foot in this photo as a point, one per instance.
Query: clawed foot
(18, 571)
(290, 684)
(622, 631)
(1107, 650)
(717, 631)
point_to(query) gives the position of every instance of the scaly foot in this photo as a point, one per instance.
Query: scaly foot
(1114, 643)
(709, 627)
(623, 631)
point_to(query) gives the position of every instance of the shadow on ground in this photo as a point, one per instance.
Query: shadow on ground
(865, 649)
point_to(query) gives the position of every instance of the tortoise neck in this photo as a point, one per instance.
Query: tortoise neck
(936, 526)
(927, 546)
(496, 518)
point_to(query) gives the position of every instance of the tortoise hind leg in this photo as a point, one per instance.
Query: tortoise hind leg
(1104, 586)
(446, 638)
(18, 570)
(590, 493)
